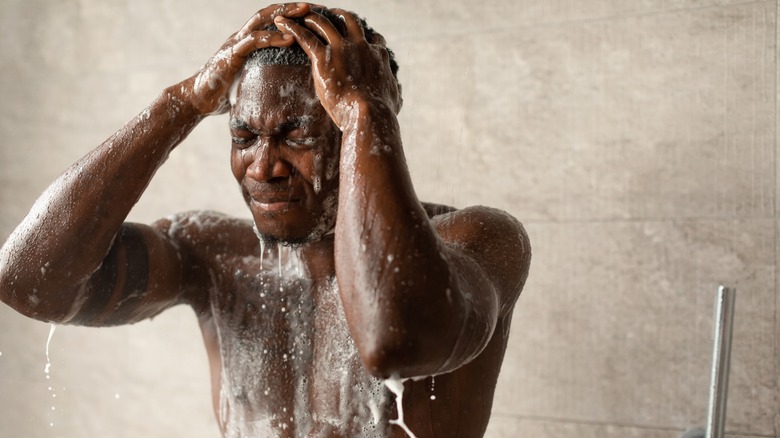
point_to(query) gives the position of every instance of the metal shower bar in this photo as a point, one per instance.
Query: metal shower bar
(721, 360)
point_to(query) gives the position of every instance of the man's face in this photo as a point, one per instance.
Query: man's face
(285, 153)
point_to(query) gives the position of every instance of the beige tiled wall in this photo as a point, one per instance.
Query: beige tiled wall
(635, 138)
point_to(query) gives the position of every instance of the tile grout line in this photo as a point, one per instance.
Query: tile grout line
(636, 220)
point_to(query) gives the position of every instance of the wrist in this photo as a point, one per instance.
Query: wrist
(355, 114)
(178, 97)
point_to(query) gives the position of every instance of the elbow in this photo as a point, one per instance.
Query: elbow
(414, 350)
(23, 303)
(384, 359)
(429, 347)
(28, 297)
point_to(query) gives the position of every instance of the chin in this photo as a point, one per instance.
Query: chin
(290, 240)
(297, 231)
(287, 237)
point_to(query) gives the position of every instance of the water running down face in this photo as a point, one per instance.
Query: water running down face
(285, 153)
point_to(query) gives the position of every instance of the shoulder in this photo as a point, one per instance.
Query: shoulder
(470, 225)
(203, 240)
(208, 230)
(494, 239)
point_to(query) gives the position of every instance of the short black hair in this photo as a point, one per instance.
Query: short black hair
(294, 54)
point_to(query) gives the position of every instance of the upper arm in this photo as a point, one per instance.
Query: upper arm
(144, 273)
(496, 247)
(489, 256)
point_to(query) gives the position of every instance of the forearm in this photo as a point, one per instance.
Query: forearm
(70, 228)
(398, 290)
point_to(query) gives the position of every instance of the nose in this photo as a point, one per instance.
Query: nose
(265, 162)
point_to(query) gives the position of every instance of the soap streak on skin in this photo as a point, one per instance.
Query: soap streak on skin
(396, 386)
(270, 384)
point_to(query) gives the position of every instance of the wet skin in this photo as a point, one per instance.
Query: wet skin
(377, 284)
(284, 153)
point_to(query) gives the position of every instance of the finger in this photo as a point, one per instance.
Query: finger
(261, 39)
(265, 16)
(322, 26)
(305, 38)
(352, 22)
(378, 39)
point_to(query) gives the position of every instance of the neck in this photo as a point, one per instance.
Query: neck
(316, 257)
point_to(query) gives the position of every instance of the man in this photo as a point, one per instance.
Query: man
(342, 282)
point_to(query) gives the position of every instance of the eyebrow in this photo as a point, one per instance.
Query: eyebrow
(239, 125)
(290, 124)
(295, 122)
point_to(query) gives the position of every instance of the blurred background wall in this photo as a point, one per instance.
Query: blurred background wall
(636, 139)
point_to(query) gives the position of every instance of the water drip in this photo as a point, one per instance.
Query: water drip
(48, 359)
(396, 386)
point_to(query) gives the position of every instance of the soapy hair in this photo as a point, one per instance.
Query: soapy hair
(294, 54)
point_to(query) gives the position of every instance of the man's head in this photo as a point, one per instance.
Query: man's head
(285, 147)
(294, 54)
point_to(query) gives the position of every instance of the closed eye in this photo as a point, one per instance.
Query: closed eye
(242, 142)
(302, 142)
(243, 138)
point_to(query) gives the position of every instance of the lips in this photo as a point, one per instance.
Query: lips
(274, 205)
(274, 201)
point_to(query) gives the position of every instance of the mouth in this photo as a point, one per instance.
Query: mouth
(274, 203)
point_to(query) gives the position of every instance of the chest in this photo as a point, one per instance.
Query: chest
(289, 366)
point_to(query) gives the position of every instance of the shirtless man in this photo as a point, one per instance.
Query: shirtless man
(342, 282)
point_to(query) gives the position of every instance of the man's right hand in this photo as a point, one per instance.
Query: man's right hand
(209, 90)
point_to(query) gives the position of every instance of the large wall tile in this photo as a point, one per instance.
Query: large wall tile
(669, 115)
(414, 20)
(615, 324)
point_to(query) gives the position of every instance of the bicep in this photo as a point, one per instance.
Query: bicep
(142, 275)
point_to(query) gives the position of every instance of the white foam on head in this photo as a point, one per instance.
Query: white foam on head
(233, 91)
